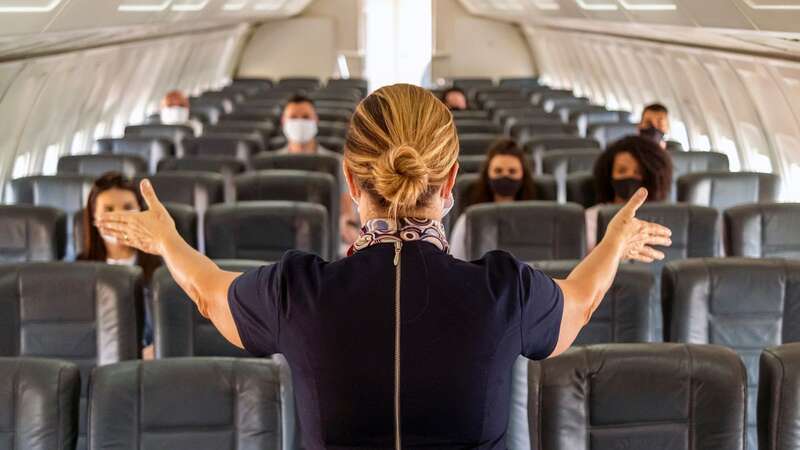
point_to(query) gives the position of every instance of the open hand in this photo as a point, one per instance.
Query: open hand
(637, 237)
(144, 230)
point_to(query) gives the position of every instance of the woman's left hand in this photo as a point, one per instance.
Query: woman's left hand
(148, 230)
(635, 237)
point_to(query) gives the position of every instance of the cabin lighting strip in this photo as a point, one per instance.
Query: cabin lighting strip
(648, 6)
(754, 4)
(139, 7)
(15, 7)
(597, 6)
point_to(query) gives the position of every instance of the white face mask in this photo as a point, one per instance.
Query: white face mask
(174, 115)
(110, 240)
(447, 205)
(299, 130)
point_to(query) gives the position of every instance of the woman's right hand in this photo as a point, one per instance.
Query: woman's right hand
(147, 231)
(635, 237)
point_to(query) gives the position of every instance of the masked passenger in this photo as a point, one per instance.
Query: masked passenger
(624, 167)
(654, 124)
(505, 177)
(175, 111)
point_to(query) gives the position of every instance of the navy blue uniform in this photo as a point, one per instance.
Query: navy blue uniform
(463, 324)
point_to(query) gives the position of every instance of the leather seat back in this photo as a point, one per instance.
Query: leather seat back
(580, 189)
(779, 397)
(96, 165)
(179, 329)
(223, 166)
(695, 230)
(665, 396)
(172, 133)
(691, 162)
(323, 163)
(68, 193)
(606, 133)
(624, 314)
(763, 230)
(193, 404)
(196, 189)
(744, 304)
(295, 186)
(550, 143)
(31, 233)
(309, 83)
(476, 144)
(563, 162)
(583, 119)
(265, 230)
(695, 234)
(228, 145)
(38, 403)
(723, 190)
(151, 149)
(481, 126)
(87, 313)
(530, 230)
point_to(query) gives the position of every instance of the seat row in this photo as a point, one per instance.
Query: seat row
(292, 204)
(743, 312)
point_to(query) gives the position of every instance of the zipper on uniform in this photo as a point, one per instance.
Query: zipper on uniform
(398, 247)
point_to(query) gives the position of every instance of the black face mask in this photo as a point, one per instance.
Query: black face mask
(652, 133)
(624, 188)
(505, 186)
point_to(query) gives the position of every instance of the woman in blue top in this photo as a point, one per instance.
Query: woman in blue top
(399, 345)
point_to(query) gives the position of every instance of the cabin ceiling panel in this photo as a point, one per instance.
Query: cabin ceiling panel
(752, 25)
(35, 27)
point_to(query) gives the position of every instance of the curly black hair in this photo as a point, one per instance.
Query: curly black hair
(655, 164)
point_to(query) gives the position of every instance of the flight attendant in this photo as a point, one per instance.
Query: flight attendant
(398, 345)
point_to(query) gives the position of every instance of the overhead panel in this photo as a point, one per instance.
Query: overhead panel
(656, 11)
(772, 15)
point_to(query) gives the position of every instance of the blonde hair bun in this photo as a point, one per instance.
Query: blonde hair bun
(401, 147)
(401, 176)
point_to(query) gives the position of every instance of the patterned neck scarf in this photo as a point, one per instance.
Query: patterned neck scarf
(381, 231)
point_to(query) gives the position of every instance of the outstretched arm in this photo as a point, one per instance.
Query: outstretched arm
(626, 238)
(153, 231)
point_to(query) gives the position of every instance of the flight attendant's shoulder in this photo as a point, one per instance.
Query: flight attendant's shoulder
(502, 268)
(298, 261)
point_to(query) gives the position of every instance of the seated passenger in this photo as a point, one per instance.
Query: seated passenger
(625, 166)
(654, 124)
(505, 177)
(455, 99)
(299, 121)
(175, 111)
(112, 192)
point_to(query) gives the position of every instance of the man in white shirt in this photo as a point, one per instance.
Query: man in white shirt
(299, 124)
(175, 111)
